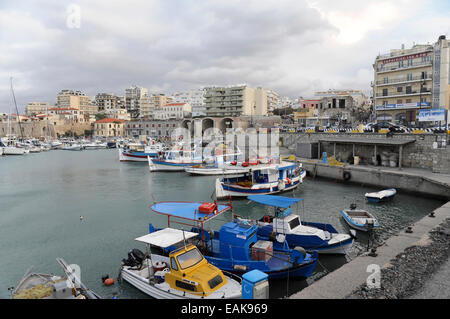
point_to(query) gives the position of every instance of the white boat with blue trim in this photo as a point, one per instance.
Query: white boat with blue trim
(261, 180)
(359, 219)
(381, 195)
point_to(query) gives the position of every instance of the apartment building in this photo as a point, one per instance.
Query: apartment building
(173, 111)
(235, 101)
(133, 99)
(195, 98)
(158, 129)
(70, 99)
(272, 100)
(106, 101)
(34, 108)
(408, 80)
(109, 127)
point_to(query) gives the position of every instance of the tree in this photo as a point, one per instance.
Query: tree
(100, 116)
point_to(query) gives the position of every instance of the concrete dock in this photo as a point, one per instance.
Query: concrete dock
(345, 280)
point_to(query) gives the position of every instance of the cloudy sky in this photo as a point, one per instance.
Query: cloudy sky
(295, 47)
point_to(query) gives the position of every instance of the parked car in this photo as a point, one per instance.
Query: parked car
(385, 125)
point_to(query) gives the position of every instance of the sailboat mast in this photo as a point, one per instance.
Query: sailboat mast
(17, 110)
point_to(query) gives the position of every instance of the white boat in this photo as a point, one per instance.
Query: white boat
(48, 286)
(10, 146)
(359, 219)
(174, 160)
(183, 274)
(381, 195)
(72, 147)
(261, 180)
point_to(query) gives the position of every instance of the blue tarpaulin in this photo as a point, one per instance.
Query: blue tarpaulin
(276, 201)
(183, 209)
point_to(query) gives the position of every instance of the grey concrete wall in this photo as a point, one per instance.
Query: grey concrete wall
(420, 154)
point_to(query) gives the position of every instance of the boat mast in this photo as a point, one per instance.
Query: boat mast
(17, 110)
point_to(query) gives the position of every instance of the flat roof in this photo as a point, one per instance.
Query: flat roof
(375, 141)
(166, 237)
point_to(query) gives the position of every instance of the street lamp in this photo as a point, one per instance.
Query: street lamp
(420, 98)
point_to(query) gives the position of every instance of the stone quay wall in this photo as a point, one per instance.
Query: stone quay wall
(429, 151)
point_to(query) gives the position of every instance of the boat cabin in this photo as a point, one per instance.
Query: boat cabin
(187, 269)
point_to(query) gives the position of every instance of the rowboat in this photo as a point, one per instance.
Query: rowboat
(359, 219)
(381, 195)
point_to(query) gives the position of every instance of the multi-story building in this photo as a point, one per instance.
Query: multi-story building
(133, 99)
(109, 127)
(173, 111)
(403, 83)
(34, 108)
(158, 129)
(195, 98)
(106, 101)
(441, 74)
(235, 101)
(69, 99)
(160, 100)
(272, 100)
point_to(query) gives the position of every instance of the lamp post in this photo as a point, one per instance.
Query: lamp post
(420, 98)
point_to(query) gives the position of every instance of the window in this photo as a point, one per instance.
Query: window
(409, 77)
(189, 258)
(173, 264)
(385, 92)
(408, 90)
(400, 89)
(385, 80)
(399, 101)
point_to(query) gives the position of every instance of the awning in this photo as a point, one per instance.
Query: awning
(187, 210)
(275, 201)
(166, 237)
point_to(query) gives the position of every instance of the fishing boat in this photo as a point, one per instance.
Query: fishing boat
(323, 238)
(174, 160)
(174, 269)
(381, 195)
(261, 180)
(11, 147)
(235, 247)
(135, 152)
(359, 219)
(48, 286)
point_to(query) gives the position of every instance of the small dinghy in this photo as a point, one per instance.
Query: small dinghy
(359, 219)
(381, 195)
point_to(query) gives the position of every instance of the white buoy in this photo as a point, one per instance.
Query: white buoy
(81, 218)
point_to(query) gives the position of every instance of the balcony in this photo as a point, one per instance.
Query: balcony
(403, 94)
(397, 81)
(404, 67)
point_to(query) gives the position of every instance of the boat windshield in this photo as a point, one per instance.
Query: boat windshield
(189, 258)
(294, 223)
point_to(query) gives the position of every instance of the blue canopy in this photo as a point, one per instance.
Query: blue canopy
(185, 209)
(276, 201)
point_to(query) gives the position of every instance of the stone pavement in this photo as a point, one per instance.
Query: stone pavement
(344, 281)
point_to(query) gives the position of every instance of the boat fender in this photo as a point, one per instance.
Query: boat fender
(107, 281)
(301, 250)
(346, 176)
(288, 180)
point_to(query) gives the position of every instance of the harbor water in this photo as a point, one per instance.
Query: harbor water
(43, 195)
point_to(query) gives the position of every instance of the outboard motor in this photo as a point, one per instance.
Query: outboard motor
(135, 258)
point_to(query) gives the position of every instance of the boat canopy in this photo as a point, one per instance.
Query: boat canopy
(275, 201)
(186, 210)
(166, 237)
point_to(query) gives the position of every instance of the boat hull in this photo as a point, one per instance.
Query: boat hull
(212, 171)
(125, 156)
(161, 165)
(357, 226)
(381, 196)
(142, 284)
(8, 150)
(224, 190)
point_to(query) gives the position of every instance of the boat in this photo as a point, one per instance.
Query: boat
(263, 179)
(174, 160)
(381, 195)
(55, 144)
(11, 147)
(135, 152)
(71, 147)
(235, 247)
(48, 286)
(359, 219)
(174, 269)
(323, 238)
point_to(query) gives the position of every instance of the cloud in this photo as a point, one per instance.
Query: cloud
(292, 46)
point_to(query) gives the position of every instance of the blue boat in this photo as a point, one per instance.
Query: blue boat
(320, 237)
(236, 247)
(139, 152)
